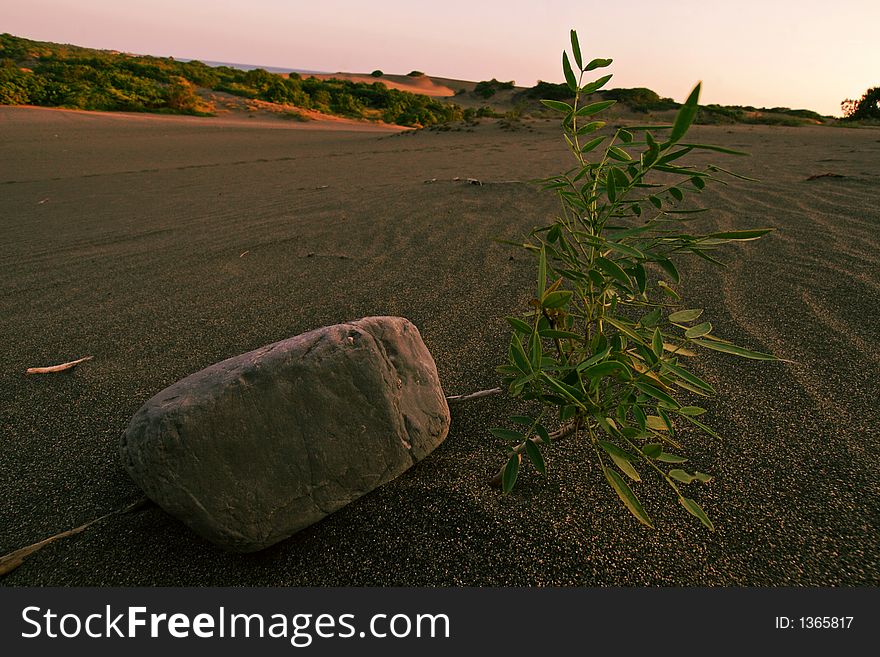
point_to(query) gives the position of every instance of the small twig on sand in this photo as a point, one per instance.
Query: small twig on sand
(561, 432)
(829, 174)
(57, 368)
(13, 560)
(456, 399)
(244, 254)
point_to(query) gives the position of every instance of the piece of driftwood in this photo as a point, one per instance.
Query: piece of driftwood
(13, 560)
(57, 368)
(455, 399)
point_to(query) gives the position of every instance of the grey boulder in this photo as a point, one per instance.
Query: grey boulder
(250, 450)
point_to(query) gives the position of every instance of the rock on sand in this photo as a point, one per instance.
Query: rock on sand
(250, 450)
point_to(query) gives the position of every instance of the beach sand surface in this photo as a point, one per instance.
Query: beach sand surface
(161, 245)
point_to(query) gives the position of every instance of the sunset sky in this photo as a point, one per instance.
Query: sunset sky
(798, 54)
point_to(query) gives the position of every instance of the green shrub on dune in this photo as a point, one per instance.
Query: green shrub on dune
(57, 75)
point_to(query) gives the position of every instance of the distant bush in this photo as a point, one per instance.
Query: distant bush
(488, 88)
(377, 73)
(415, 74)
(549, 91)
(488, 112)
(181, 97)
(867, 107)
(640, 99)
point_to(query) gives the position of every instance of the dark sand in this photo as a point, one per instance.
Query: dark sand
(120, 237)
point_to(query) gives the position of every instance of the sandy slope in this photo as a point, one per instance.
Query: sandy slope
(421, 84)
(122, 238)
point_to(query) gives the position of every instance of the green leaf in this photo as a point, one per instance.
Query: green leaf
(717, 149)
(656, 393)
(518, 355)
(620, 178)
(640, 417)
(590, 145)
(708, 430)
(698, 331)
(703, 477)
(620, 325)
(682, 476)
(623, 248)
(728, 348)
(651, 318)
(507, 434)
(652, 450)
(570, 79)
(562, 335)
(691, 410)
(628, 497)
(641, 277)
(671, 458)
(626, 467)
(685, 316)
(598, 63)
(685, 116)
(626, 136)
(613, 269)
(694, 380)
(556, 299)
(541, 430)
(669, 267)
(594, 86)
(558, 105)
(542, 271)
(676, 193)
(619, 154)
(535, 351)
(668, 291)
(522, 419)
(698, 182)
(511, 470)
(519, 325)
(611, 186)
(696, 510)
(535, 457)
(594, 108)
(657, 343)
(656, 202)
(595, 358)
(576, 50)
(741, 235)
(592, 126)
(606, 368)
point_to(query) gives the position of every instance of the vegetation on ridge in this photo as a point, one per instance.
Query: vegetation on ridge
(54, 75)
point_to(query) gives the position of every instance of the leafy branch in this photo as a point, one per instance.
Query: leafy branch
(603, 343)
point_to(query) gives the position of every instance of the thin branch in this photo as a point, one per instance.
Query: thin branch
(457, 399)
(57, 368)
(13, 560)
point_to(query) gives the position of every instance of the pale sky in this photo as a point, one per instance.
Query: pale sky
(793, 53)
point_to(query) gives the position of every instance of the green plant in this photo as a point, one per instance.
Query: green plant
(603, 343)
(867, 107)
(377, 73)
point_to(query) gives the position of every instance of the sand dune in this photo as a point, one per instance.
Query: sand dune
(121, 238)
(421, 84)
